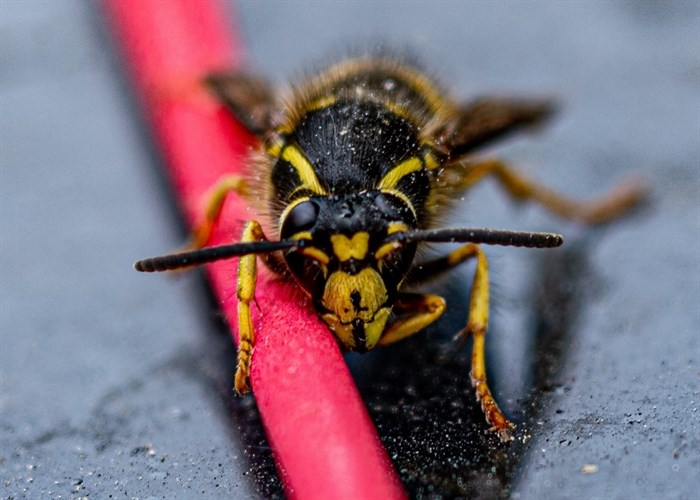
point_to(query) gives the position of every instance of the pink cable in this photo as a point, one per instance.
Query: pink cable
(322, 437)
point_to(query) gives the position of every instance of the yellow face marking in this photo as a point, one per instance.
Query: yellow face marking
(313, 253)
(360, 296)
(341, 287)
(386, 249)
(304, 235)
(373, 329)
(350, 248)
(305, 170)
(396, 227)
(393, 176)
(316, 254)
(342, 332)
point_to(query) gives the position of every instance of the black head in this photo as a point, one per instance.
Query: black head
(345, 263)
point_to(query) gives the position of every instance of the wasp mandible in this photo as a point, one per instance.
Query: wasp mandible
(353, 167)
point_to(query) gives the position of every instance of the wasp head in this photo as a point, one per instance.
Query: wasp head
(345, 263)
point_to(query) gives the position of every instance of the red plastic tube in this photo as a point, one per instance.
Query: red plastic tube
(323, 440)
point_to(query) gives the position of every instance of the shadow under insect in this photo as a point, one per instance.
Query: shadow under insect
(419, 392)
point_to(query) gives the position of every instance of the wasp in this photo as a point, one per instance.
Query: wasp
(353, 168)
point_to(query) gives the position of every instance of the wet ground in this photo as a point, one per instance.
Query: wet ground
(112, 383)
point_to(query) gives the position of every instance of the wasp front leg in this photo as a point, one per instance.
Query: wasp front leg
(418, 312)
(214, 203)
(245, 291)
(476, 326)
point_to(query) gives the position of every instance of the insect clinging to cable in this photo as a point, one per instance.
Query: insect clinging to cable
(353, 168)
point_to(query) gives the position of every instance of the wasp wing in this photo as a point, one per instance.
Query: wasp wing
(249, 97)
(490, 118)
(475, 125)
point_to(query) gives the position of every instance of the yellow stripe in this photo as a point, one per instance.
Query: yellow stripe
(431, 162)
(386, 249)
(393, 68)
(406, 167)
(312, 252)
(304, 235)
(316, 254)
(399, 111)
(396, 227)
(274, 149)
(402, 197)
(305, 170)
(323, 102)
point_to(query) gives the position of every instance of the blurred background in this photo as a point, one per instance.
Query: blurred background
(114, 383)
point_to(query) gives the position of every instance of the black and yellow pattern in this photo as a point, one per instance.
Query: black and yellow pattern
(353, 169)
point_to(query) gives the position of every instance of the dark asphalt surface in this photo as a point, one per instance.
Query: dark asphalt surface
(118, 384)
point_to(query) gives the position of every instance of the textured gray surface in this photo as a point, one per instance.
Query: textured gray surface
(110, 383)
(116, 383)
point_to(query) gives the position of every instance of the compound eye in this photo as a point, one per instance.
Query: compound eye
(301, 218)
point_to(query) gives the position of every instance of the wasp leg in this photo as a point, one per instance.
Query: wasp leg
(422, 310)
(214, 203)
(617, 202)
(476, 326)
(245, 291)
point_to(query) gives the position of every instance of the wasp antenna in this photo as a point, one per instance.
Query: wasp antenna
(210, 254)
(484, 236)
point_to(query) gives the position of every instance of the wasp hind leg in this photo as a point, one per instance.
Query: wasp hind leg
(477, 325)
(612, 205)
